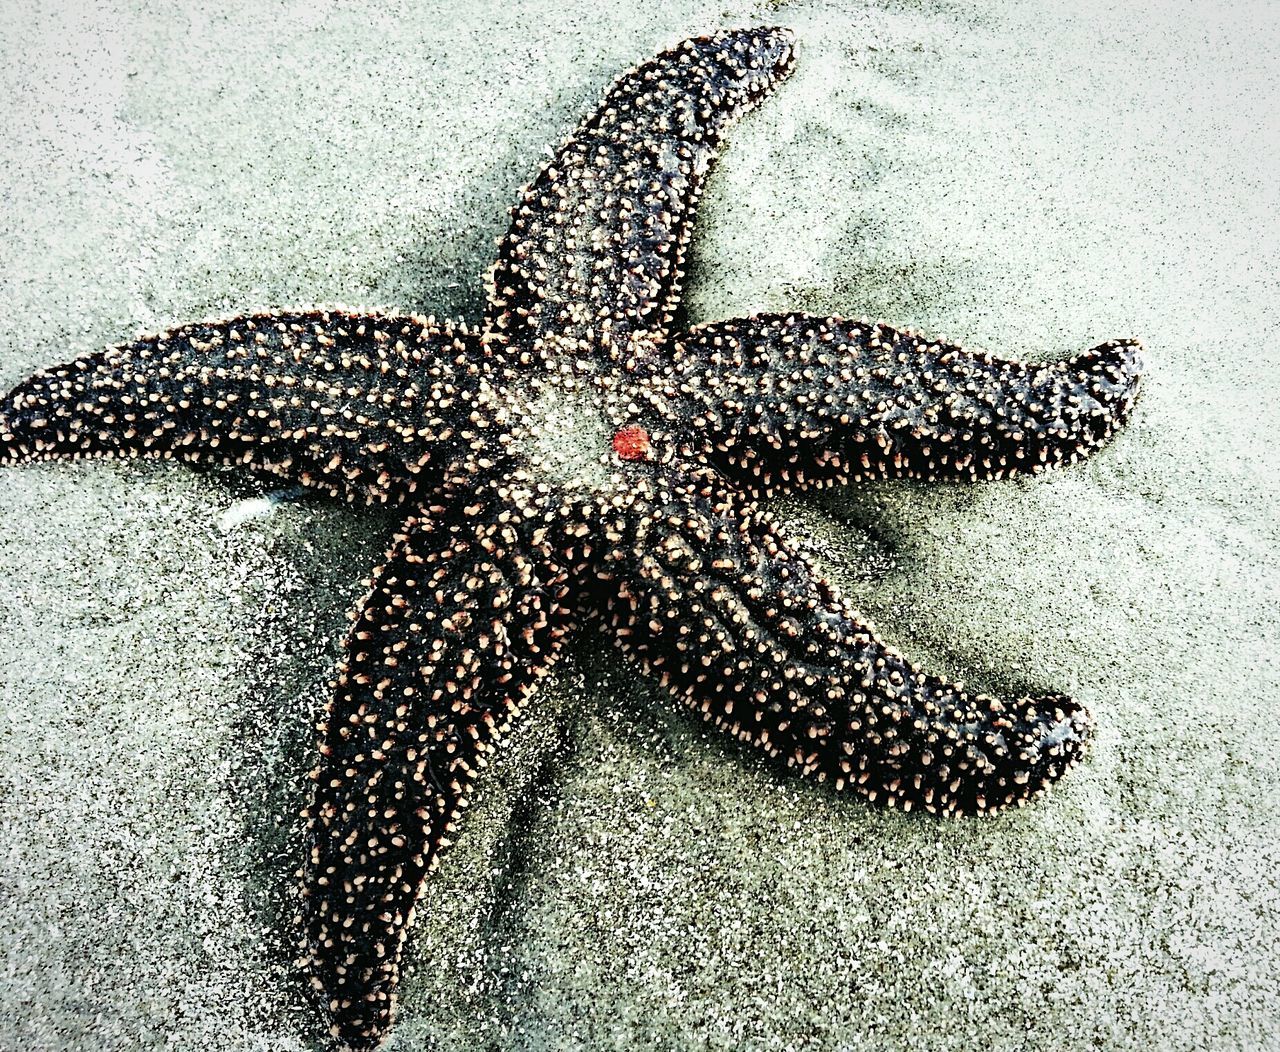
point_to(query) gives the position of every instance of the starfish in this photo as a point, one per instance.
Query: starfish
(573, 464)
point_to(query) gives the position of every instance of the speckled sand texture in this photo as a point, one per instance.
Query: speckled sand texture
(1008, 175)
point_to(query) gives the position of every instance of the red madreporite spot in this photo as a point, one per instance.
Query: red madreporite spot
(631, 443)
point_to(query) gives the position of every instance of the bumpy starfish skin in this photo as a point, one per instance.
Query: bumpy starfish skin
(794, 400)
(574, 465)
(592, 261)
(358, 406)
(461, 622)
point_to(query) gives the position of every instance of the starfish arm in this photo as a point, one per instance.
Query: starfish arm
(347, 403)
(595, 251)
(793, 400)
(460, 624)
(703, 591)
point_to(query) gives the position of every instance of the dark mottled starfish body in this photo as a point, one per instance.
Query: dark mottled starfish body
(574, 464)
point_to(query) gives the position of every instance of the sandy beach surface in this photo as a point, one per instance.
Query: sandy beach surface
(1030, 178)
